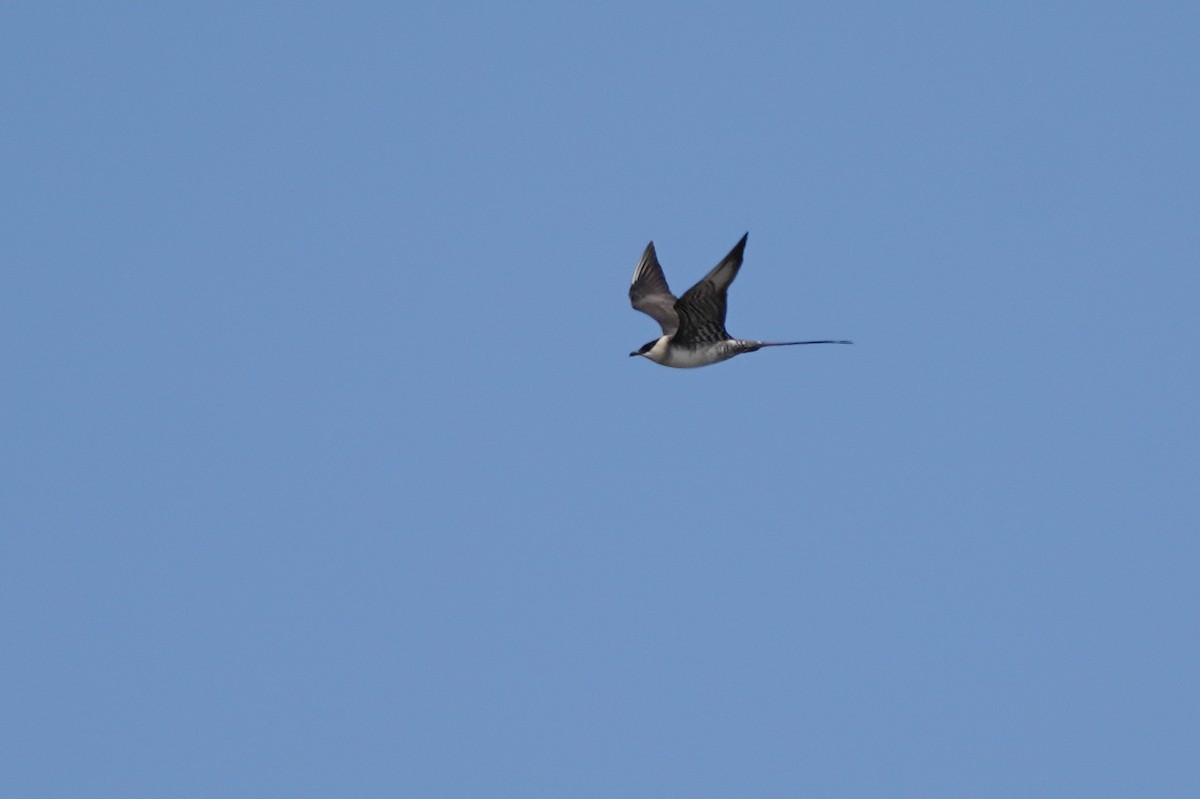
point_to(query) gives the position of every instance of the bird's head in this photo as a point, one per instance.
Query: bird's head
(649, 345)
(655, 350)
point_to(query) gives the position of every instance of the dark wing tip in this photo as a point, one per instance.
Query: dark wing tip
(738, 250)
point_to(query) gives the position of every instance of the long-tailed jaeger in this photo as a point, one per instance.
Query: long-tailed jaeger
(693, 325)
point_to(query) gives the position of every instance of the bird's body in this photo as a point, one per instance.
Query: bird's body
(665, 352)
(693, 325)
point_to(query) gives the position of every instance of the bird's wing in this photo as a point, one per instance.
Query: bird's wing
(650, 294)
(701, 309)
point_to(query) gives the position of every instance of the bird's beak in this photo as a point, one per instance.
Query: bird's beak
(632, 354)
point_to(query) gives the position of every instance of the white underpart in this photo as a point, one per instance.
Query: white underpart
(663, 353)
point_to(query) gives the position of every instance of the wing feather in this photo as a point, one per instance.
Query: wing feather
(701, 309)
(650, 294)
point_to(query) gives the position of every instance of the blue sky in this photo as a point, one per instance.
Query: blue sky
(326, 471)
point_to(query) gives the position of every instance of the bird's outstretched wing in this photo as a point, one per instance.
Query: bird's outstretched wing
(650, 294)
(701, 309)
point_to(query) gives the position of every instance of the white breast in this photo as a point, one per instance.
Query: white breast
(681, 358)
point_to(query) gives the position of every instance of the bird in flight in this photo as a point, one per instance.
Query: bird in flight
(693, 326)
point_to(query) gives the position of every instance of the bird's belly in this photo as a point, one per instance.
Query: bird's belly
(691, 358)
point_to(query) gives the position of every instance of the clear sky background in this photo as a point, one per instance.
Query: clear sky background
(326, 471)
